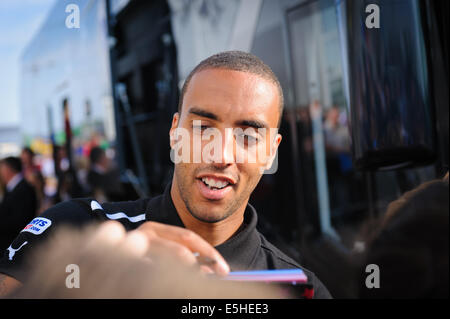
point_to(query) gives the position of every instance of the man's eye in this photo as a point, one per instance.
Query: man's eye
(200, 127)
(248, 139)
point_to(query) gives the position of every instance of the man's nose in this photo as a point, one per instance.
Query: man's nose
(227, 156)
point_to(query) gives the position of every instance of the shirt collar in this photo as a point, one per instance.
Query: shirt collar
(13, 182)
(242, 249)
(239, 251)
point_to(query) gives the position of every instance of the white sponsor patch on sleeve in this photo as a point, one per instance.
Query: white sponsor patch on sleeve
(38, 225)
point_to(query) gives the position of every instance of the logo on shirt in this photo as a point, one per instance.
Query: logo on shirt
(38, 225)
(13, 251)
(95, 205)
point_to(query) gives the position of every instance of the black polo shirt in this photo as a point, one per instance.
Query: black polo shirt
(246, 250)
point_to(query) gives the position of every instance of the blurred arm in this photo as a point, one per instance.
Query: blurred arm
(8, 285)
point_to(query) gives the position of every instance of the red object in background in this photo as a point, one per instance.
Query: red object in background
(308, 293)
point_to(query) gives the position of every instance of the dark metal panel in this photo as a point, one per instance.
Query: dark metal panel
(392, 119)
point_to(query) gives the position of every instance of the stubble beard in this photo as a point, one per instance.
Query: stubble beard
(200, 214)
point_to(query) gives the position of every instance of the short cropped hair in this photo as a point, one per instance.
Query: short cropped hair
(13, 163)
(96, 154)
(236, 61)
(29, 151)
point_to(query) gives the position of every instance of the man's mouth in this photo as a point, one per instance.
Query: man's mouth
(214, 183)
(215, 187)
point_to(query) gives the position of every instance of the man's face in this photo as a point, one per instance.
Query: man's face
(25, 157)
(103, 161)
(4, 174)
(223, 100)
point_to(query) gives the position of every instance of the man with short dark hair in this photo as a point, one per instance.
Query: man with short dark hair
(102, 179)
(19, 201)
(234, 99)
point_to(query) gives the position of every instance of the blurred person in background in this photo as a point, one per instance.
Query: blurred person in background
(337, 137)
(339, 161)
(29, 167)
(19, 202)
(32, 174)
(68, 184)
(410, 246)
(61, 167)
(103, 179)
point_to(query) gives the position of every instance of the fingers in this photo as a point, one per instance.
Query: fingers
(156, 240)
(171, 251)
(206, 270)
(135, 243)
(110, 232)
(193, 242)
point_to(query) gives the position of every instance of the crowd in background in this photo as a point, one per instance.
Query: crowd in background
(24, 189)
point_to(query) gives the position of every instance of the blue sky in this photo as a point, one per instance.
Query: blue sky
(19, 21)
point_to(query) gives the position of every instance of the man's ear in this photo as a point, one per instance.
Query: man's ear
(273, 150)
(175, 120)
